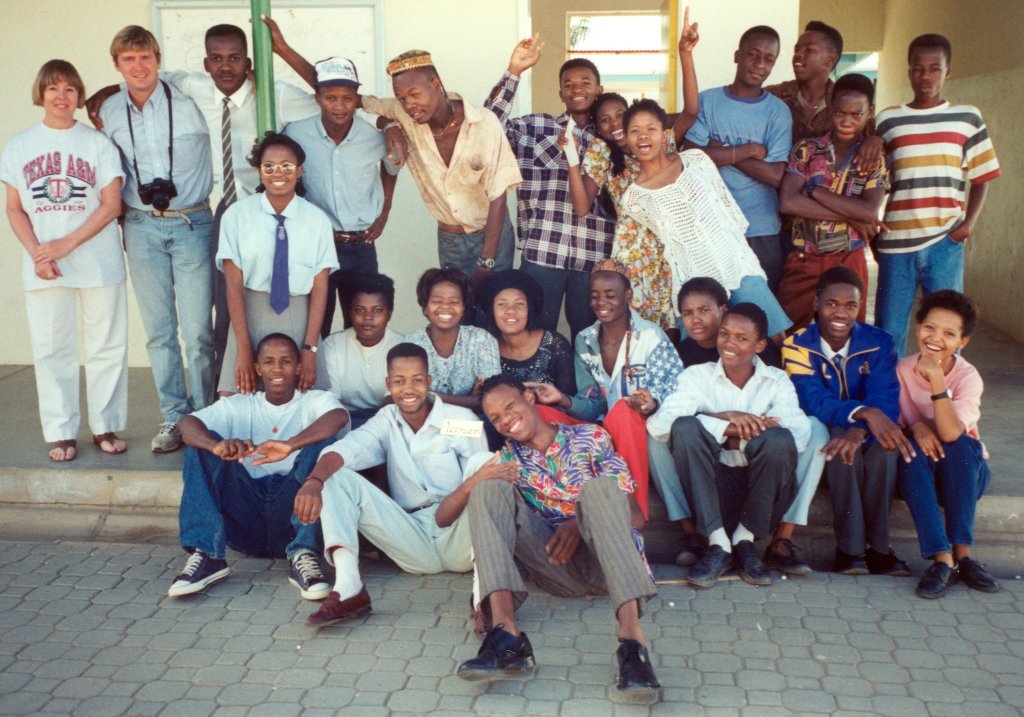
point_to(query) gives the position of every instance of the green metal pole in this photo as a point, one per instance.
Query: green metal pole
(263, 61)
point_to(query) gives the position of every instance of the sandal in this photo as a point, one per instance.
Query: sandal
(116, 445)
(68, 451)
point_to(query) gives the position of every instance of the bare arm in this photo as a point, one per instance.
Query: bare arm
(492, 236)
(860, 209)
(454, 503)
(729, 155)
(691, 97)
(108, 211)
(975, 201)
(22, 226)
(93, 104)
(285, 51)
(583, 189)
(388, 182)
(470, 400)
(245, 361)
(769, 173)
(317, 306)
(795, 203)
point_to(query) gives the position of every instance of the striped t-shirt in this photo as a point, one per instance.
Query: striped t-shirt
(932, 155)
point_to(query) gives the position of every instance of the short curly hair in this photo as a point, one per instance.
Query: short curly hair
(950, 301)
(432, 277)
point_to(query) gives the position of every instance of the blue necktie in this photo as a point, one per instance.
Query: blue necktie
(279, 296)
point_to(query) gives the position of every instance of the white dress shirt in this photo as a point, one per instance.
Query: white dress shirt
(353, 372)
(704, 389)
(423, 466)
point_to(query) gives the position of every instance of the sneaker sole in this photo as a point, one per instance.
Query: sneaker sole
(478, 675)
(636, 695)
(161, 449)
(310, 594)
(193, 588)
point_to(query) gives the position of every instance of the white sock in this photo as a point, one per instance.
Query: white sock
(347, 582)
(742, 534)
(719, 538)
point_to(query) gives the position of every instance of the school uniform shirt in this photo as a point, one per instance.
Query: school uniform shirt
(483, 166)
(343, 179)
(916, 404)
(693, 353)
(932, 153)
(646, 359)
(705, 389)
(291, 103)
(732, 120)
(193, 172)
(58, 175)
(251, 416)
(475, 357)
(248, 232)
(356, 373)
(423, 466)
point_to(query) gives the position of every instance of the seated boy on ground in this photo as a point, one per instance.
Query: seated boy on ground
(845, 375)
(828, 195)
(247, 456)
(702, 304)
(940, 405)
(427, 454)
(570, 522)
(354, 361)
(734, 428)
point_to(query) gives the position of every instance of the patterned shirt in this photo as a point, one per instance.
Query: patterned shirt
(550, 482)
(549, 230)
(819, 123)
(933, 153)
(815, 161)
(475, 357)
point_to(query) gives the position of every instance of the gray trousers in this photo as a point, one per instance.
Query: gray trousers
(756, 495)
(505, 529)
(861, 497)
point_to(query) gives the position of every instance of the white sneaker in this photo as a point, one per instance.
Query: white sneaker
(307, 575)
(167, 440)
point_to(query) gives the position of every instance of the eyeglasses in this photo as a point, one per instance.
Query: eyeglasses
(271, 168)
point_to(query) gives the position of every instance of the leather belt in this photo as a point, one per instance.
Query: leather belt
(175, 213)
(451, 228)
(350, 237)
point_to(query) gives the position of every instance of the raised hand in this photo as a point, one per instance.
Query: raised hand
(689, 37)
(526, 54)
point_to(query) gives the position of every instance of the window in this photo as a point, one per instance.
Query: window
(628, 49)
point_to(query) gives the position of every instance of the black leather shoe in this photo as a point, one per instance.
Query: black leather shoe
(847, 564)
(502, 654)
(710, 567)
(935, 581)
(749, 565)
(976, 577)
(694, 546)
(885, 563)
(782, 555)
(637, 683)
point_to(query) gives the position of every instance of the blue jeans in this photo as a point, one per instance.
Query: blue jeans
(223, 505)
(574, 285)
(951, 486)
(171, 265)
(768, 250)
(462, 250)
(936, 267)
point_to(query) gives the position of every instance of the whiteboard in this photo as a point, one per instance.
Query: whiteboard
(317, 29)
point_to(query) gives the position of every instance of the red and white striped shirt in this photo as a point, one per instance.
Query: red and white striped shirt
(932, 154)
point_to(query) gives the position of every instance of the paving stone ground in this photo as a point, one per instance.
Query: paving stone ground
(87, 629)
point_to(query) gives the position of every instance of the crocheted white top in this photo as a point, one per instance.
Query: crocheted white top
(698, 222)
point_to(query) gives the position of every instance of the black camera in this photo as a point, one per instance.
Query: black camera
(159, 193)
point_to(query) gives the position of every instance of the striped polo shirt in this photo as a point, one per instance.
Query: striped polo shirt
(932, 155)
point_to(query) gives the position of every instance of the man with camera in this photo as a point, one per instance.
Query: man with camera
(168, 226)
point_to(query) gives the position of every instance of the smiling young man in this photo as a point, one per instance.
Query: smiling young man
(168, 226)
(572, 523)
(747, 131)
(734, 428)
(935, 149)
(248, 454)
(354, 361)
(559, 246)
(430, 447)
(347, 174)
(845, 375)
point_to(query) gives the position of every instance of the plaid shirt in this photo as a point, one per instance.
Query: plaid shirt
(549, 231)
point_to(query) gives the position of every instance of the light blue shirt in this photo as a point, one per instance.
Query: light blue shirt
(193, 174)
(248, 232)
(732, 120)
(343, 179)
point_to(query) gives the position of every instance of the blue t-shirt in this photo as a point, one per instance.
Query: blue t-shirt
(735, 120)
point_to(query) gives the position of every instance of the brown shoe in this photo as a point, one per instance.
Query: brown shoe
(333, 610)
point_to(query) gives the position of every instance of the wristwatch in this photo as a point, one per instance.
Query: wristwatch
(308, 347)
(485, 263)
(945, 394)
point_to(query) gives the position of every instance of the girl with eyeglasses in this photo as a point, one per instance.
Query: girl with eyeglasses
(276, 251)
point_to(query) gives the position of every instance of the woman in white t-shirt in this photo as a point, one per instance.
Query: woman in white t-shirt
(276, 251)
(684, 201)
(63, 196)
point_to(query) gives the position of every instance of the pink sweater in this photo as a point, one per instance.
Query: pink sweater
(916, 403)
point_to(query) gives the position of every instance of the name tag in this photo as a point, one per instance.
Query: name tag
(468, 429)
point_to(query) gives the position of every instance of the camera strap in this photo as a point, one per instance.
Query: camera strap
(170, 134)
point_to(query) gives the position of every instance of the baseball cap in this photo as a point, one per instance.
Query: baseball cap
(336, 72)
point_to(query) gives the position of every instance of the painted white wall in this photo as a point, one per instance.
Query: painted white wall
(470, 42)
